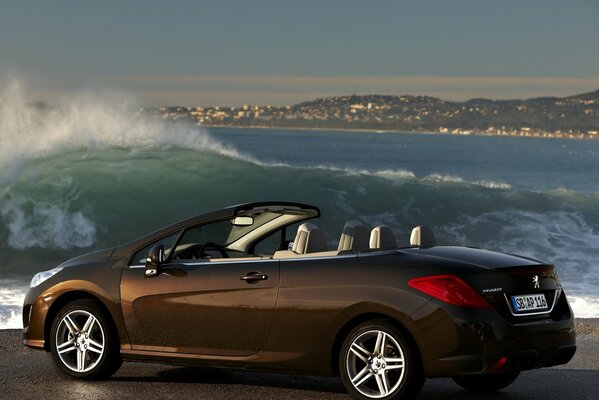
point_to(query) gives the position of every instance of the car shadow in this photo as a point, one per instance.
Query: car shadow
(541, 384)
(211, 376)
(538, 384)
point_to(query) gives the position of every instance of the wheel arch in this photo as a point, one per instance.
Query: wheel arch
(359, 319)
(65, 299)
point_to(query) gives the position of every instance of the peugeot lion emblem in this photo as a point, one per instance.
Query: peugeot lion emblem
(535, 280)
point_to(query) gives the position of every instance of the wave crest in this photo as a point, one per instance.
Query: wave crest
(30, 131)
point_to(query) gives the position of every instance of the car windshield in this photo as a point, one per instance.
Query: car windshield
(234, 235)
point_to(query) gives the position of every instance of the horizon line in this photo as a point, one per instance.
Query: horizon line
(283, 90)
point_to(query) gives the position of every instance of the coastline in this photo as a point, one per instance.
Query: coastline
(571, 117)
(545, 135)
(303, 128)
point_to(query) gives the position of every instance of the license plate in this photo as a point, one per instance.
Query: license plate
(529, 302)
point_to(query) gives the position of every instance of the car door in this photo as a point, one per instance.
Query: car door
(220, 308)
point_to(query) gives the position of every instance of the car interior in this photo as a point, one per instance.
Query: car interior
(310, 241)
(261, 233)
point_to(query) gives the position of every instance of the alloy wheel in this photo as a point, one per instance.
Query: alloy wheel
(80, 341)
(375, 364)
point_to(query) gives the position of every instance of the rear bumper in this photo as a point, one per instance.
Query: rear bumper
(531, 359)
(482, 341)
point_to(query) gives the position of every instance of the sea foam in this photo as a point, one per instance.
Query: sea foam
(38, 223)
(561, 237)
(85, 121)
(12, 295)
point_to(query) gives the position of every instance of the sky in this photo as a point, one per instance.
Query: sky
(282, 52)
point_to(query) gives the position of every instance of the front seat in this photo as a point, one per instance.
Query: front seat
(309, 239)
(382, 237)
(422, 236)
(354, 237)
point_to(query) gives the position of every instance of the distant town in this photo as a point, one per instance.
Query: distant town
(575, 117)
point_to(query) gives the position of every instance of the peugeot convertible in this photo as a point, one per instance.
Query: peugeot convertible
(255, 286)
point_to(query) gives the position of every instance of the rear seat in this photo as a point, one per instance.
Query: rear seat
(422, 236)
(382, 237)
(354, 237)
(309, 241)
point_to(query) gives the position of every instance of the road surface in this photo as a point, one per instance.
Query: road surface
(30, 374)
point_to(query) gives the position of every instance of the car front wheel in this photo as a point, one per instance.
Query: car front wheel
(377, 362)
(83, 342)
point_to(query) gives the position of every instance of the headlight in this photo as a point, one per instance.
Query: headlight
(43, 276)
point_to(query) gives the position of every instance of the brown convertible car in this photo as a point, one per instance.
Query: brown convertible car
(256, 286)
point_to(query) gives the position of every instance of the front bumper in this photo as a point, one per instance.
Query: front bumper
(35, 309)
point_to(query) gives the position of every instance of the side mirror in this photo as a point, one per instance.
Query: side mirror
(154, 261)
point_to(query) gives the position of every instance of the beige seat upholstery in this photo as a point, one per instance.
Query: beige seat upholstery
(382, 237)
(354, 237)
(422, 236)
(309, 239)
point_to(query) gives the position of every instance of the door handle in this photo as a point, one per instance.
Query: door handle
(254, 277)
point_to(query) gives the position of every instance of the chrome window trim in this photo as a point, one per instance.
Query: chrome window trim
(307, 257)
(191, 264)
(298, 258)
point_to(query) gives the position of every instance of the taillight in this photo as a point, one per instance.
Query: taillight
(498, 365)
(450, 289)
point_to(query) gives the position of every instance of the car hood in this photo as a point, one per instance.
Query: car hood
(96, 256)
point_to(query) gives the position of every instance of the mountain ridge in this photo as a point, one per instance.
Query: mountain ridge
(576, 115)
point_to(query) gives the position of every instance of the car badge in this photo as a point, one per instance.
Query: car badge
(492, 290)
(535, 281)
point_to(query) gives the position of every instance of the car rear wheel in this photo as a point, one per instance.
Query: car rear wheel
(83, 342)
(486, 383)
(377, 362)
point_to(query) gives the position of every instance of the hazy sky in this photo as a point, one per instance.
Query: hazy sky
(281, 52)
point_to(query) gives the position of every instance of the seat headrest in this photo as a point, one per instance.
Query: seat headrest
(422, 236)
(354, 237)
(382, 237)
(309, 239)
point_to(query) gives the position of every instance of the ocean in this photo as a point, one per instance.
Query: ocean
(92, 174)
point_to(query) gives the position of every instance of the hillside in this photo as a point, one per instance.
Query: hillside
(543, 116)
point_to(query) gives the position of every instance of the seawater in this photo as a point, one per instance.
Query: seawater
(91, 174)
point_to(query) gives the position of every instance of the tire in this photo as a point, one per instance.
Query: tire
(83, 341)
(377, 362)
(486, 383)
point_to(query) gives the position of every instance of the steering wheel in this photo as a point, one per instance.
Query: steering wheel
(213, 246)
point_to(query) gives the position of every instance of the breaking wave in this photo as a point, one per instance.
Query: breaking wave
(36, 130)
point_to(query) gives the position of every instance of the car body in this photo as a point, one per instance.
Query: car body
(230, 289)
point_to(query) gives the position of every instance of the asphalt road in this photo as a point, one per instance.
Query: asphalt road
(30, 374)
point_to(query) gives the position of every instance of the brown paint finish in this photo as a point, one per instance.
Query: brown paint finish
(200, 309)
(98, 282)
(318, 297)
